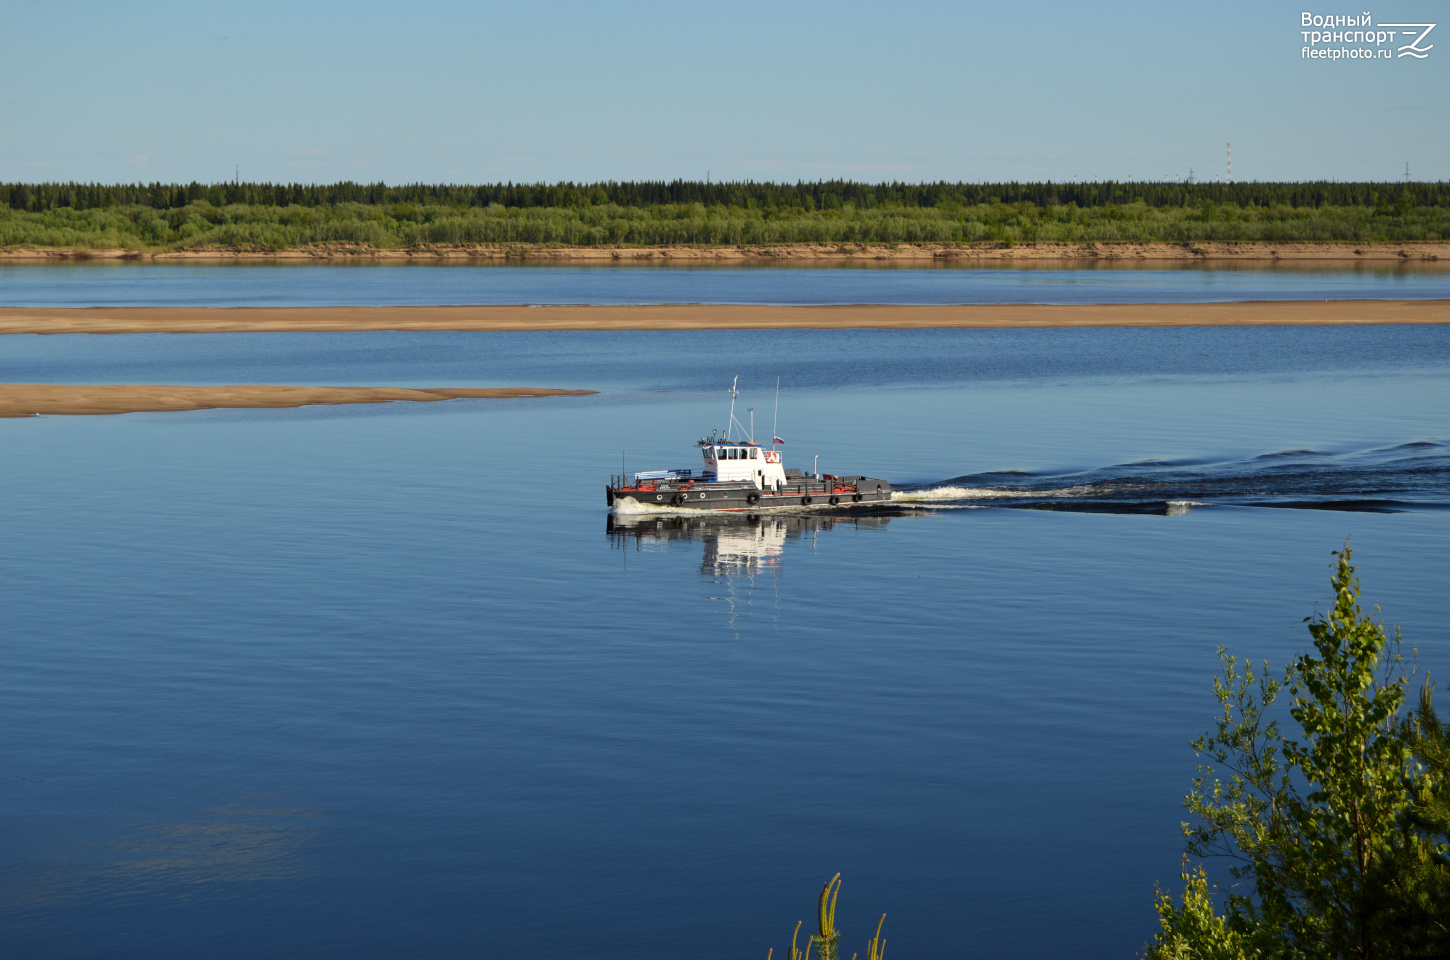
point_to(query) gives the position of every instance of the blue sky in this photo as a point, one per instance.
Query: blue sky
(544, 91)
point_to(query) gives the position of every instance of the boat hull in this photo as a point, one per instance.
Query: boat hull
(808, 493)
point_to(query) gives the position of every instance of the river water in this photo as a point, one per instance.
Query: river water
(125, 283)
(386, 681)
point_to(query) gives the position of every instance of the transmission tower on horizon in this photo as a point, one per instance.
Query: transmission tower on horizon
(1228, 173)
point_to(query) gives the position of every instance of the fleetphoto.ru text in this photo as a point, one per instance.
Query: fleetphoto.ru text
(1358, 37)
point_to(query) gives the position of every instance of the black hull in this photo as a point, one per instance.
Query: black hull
(834, 493)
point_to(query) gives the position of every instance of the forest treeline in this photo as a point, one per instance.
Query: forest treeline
(265, 216)
(744, 195)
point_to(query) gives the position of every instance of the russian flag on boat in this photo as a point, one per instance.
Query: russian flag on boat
(779, 440)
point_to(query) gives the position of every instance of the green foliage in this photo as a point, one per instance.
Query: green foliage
(1337, 840)
(876, 947)
(828, 937)
(835, 196)
(1421, 917)
(262, 216)
(1191, 930)
(827, 940)
(794, 954)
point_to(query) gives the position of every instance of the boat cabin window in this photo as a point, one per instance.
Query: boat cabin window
(754, 453)
(731, 454)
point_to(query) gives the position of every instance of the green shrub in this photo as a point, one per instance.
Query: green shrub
(1336, 839)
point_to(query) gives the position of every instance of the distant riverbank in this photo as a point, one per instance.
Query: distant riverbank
(34, 399)
(712, 316)
(1196, 251)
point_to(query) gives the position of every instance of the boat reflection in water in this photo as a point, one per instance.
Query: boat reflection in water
(734, 544)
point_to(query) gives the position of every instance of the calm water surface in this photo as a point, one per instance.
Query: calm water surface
(146, 284)
(388, 681)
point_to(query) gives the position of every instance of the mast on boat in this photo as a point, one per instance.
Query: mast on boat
(730, 427)
(775, 418)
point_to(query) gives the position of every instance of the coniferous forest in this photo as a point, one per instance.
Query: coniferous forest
(264, 216)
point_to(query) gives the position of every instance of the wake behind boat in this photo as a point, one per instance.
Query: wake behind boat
(740, 475)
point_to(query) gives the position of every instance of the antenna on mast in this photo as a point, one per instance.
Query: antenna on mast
(775, 420)
(752, 424)
(730, 427)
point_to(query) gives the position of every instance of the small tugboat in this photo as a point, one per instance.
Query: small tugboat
(739, 475)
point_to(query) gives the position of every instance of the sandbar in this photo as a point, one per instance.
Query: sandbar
(1258, 251)
(33, 399)
(16, 320)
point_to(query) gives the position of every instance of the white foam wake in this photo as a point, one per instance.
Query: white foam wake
(986, 493)
(630, 507)
(946, 493)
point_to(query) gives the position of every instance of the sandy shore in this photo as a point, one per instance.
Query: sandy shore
(30, 399)
(702, 317)
(1301, 253)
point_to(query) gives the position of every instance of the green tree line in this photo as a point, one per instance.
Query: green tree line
(744, 195)
(260, 216)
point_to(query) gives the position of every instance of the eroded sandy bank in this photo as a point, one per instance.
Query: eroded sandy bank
(705, 316)
(1426, 252)
(31, 399)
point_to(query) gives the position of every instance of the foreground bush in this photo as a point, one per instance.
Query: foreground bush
(826, 941)
(1336, 839)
